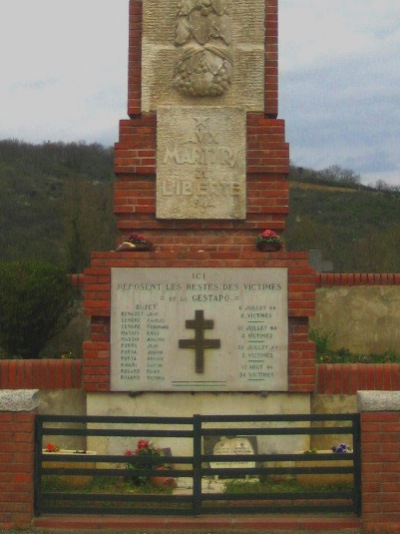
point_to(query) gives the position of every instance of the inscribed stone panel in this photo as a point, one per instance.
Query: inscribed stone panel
(199, 329)
(201, 163)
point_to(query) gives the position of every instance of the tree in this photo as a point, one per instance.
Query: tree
(88, 221)
(35, 303)
(338, 174)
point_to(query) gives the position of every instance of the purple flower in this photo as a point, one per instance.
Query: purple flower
(341, 448)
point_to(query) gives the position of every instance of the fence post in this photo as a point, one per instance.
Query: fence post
(38, 466)
(196, 464)
(380, 439)
(17, 418)
(357, 463)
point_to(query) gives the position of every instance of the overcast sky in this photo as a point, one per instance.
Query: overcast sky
(64, 71)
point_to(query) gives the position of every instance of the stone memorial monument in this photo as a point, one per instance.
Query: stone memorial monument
(203, 322)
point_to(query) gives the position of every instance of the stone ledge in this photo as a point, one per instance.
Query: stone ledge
(19, 400)
(378, 401)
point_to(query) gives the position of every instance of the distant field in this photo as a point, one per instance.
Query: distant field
(318, 187)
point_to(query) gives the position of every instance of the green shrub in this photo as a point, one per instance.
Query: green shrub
(325, 354)
(35, 303)
(322, 342)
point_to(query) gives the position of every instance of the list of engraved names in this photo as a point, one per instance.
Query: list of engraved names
(199, 329)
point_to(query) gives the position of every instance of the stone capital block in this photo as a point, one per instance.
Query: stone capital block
(378, 401)
(19, 400)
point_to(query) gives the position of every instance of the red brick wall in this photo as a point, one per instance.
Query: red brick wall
(135, 57)
(16, 469)
(271, 59)
(267, 186)
(331, 379)
(40, 374)
(380, 464)
(347, 378)
(358, 279)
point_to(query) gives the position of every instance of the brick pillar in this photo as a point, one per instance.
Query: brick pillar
(17, 418)
(380, 461)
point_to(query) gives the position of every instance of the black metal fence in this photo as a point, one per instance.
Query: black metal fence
(263, 482)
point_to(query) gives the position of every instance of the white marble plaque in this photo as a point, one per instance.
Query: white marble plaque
(233, 447)
(199, 329)
(201, 163)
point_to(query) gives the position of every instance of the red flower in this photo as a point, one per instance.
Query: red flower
(144, 447)
(136, 238)
(269, 233)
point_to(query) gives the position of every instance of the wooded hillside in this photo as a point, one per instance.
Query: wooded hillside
(56, 205)
(55, 202)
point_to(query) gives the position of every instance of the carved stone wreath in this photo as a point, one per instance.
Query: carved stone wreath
(203, 28)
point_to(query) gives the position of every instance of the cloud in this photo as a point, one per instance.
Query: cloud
(339, 90)
(64, 77)
(64, 69)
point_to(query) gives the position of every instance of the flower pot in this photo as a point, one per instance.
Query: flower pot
(133, 247)
(163, 480)
(265, 246)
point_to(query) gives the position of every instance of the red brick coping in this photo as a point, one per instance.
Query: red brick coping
(40, 374)
(358, 279)
(348, 378)
(334, 379)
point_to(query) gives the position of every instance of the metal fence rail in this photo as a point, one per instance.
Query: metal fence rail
(54, 494)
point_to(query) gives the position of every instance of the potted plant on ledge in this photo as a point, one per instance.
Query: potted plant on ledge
(269, 241)
(135, 242)
(146, 449)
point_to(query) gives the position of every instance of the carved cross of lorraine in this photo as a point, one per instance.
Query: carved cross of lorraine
(199, 343)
